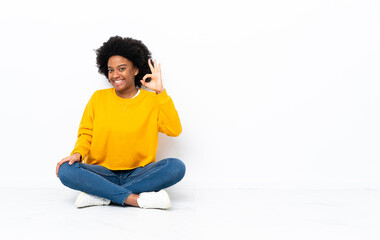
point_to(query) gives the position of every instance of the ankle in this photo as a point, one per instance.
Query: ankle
(132, 200)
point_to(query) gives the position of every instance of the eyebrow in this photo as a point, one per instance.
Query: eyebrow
(118, 66)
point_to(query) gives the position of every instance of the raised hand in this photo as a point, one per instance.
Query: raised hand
(156, 83)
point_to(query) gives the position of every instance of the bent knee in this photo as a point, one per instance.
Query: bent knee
(64, 171)
(178, 168)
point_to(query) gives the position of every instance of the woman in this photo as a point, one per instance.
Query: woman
(114, 157)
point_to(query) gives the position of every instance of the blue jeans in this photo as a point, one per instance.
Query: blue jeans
(118, 185)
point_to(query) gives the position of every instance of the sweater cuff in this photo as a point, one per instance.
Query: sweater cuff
(162, 97)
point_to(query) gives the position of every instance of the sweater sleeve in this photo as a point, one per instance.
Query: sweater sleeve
(83, 144)
(168, 119)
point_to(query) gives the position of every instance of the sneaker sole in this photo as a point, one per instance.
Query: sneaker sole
(79, 199)
(164, 193)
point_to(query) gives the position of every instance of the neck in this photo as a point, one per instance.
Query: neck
(127, 93)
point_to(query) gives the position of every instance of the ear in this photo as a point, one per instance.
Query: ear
(136, 71)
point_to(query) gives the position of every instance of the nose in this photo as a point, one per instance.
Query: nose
(115, 74)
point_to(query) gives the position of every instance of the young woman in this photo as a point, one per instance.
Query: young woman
(114, 157)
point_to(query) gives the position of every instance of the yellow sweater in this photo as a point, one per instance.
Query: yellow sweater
(122, 134)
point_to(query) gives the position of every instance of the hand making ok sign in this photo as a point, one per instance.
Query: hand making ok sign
(156, 83)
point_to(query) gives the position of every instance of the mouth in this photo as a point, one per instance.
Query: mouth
(117, 82)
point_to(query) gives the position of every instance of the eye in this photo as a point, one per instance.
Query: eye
(121, 69)
(110, 70)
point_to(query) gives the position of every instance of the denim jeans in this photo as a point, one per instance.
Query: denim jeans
(118, 185)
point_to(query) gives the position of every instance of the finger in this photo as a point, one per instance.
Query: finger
(57, 169)
(63, 160)
(150, 65)
(143, 83)
(146, 76)
(72, 160)
(60, 163)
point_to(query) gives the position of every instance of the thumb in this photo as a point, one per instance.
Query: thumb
(71, 162)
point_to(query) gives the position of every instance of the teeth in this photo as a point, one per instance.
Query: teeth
(118, 81)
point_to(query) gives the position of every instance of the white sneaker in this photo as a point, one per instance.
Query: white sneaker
(158, 200)
(86, 200)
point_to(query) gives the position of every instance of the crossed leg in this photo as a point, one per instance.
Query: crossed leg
(122, 187)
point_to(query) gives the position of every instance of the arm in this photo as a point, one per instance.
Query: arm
(168, 119)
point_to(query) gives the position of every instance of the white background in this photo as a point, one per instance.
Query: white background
(270, 93)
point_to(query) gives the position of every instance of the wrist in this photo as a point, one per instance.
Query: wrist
(160, 91)
(78, 155)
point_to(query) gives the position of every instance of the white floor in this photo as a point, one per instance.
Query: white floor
(196, 214)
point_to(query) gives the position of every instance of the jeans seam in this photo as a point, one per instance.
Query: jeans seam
(94, 171)
(137, 180)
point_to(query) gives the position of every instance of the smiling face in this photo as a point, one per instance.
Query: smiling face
(121, 73)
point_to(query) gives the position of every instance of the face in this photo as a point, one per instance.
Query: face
(121, 73)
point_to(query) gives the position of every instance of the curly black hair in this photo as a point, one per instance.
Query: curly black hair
(132, 49)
